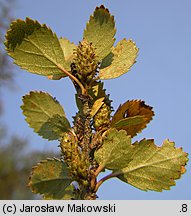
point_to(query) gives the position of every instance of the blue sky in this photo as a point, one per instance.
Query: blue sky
(161, 76)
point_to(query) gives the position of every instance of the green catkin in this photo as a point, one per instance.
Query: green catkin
(85, 59)
(74, 157)
(102, 118)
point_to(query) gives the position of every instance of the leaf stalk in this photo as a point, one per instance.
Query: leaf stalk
(74, 79)
(101, 181)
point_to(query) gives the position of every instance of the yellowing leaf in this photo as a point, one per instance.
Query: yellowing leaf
(68, 49)
(154, 168)
(119, 61)
(132, 116)
(45, 115)
(35, 48)
(51, 178)
(100, 31)
(55, 77)
(116, 150)
(96, 106)
(97, 91)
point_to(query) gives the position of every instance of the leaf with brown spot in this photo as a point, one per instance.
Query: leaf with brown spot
(132, 116)
(51, 178)
(67, 195)
(116, 150)
(153, 167)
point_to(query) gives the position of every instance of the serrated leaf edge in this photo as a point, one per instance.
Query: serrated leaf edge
(102, 7)
(9, 51)
(136, 100)
(36, 166)
(113, 50)
(27, 119)
(179, 172)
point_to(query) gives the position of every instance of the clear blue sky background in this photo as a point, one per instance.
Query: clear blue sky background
(161, 76)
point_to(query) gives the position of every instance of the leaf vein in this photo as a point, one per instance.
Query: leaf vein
(151, 164)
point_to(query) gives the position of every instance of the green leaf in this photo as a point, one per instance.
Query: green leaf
(107, 60)
(45, 115)
(129, 122)
(50, 178)
(100, 31)
(68, 49)
(154, 168)
(20, 29)
(96, 106)
(133, 116)
(120, 60)
(116, 150)
(35, 48)
(54, 127)
(67, 195)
